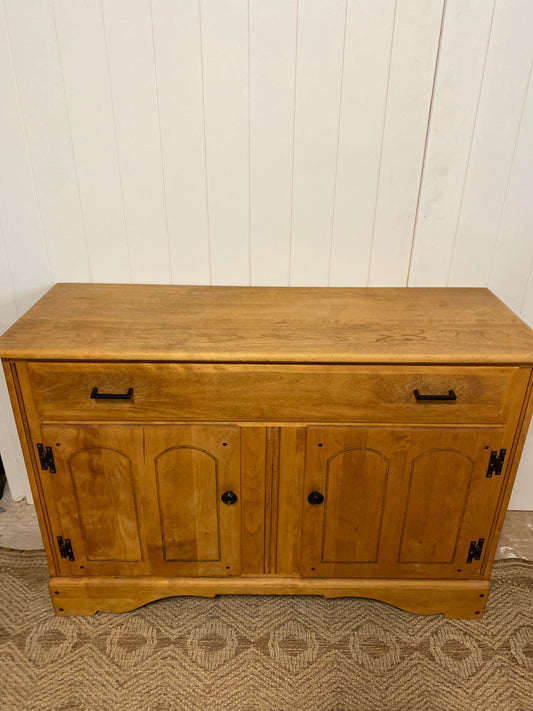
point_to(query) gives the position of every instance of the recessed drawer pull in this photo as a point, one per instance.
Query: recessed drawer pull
(111, 396)
(450, 396)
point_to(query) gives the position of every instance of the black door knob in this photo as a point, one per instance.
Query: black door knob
(315, 498)
(228, 497)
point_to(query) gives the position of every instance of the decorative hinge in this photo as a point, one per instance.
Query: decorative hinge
(46, 457)
(65, 548)
(474, 552)
(496, 463)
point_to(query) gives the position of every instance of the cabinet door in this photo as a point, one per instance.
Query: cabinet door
(397, 502)
(193, 488)
(92, 499)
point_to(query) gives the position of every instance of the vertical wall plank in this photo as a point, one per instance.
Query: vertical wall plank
(24, 269)
(318, 93)
(414, 53)
(500, 108)
(465, 38)
(12, 458)
(20, 220)
(129, 42)
(272, 78)
(526, 310)
(82, 47)
(178, 50)
(369, 29)
(226, 91)
(8, 303)
(513, 255)
(40, 84)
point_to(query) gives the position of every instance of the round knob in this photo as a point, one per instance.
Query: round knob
(228, 497)
(315, 498)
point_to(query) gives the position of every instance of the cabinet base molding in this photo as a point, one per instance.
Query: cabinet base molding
(463, 599)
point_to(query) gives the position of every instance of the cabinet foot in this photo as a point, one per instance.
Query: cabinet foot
(86, 596)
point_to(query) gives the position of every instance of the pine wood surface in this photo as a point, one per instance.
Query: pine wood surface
(269, 324)
(85, 596)
(271, 394)
(268, 393)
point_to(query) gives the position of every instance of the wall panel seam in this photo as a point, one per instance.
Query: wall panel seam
(510, 171)
(71, 139)
(119, 167)
(249, 154)
(426, 141)
(156, 84)
(458, 222)
(338, 143)
(208, 217)
(526, 290)
(293, 138)
(376, 196)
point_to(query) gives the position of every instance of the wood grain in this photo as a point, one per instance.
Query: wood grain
(269, 324)
(94, 491)
(412, 515)
(85, 596)
(187, 469)
(253, 393)
(244, 390)
(92, 504)
(253, 493)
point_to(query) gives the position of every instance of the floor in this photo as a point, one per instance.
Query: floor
(19, 529)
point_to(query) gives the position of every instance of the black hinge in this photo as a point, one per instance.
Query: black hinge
(496, 463)
(46, 457)
(474, 552)
(65, 548)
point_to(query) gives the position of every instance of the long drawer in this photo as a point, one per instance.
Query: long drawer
(267, 393)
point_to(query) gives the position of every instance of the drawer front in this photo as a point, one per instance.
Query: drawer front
(255, 393)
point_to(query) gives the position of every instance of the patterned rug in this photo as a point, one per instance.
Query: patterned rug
(262, 653)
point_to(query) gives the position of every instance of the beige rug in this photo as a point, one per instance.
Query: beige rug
(275, 653)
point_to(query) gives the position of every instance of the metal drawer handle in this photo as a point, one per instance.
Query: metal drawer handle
(450, 396)
(95, 395)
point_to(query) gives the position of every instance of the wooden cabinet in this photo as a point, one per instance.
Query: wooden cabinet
(210, 440)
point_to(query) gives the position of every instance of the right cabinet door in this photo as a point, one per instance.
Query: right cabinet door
(397, 502)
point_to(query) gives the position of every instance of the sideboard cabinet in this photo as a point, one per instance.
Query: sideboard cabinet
(215, 440)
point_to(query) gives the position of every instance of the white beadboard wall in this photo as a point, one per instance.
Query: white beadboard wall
(288, 142)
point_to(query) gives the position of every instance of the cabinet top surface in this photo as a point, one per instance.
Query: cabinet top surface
(269, 324)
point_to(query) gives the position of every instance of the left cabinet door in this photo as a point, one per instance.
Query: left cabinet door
(93, 499)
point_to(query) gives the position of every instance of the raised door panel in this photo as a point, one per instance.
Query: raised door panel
(193, 489)
(450, 501)
(92, 498)
(350, 494)
(105, 498)
(355, 487)
(433, 536)
(398, 502)
(187, 494)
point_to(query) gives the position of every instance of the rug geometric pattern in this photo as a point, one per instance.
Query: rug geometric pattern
(262, 653)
